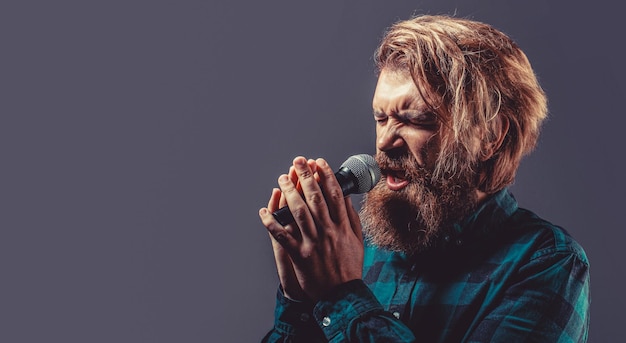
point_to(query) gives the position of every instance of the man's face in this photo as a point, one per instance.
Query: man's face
(404, 123)
(409, 209)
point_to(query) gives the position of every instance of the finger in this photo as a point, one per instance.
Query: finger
(274, 201)
(292, 228)
(283, 201)
(299, 205)
(286, 273)
(313, 165)
(284, 265)
(355, 221)
(294, 178)
(332, 192)
(312, 192)
(278, 231)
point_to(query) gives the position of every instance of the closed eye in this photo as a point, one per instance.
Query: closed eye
(424, 120)
(380, 117)
(380, 120)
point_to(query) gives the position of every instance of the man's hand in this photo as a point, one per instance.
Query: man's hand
(323, 247)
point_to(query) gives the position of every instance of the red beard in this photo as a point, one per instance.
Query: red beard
(416, 217)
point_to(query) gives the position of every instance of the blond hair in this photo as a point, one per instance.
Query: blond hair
(478, 82)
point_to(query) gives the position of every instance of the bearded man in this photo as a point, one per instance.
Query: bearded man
(448, 256)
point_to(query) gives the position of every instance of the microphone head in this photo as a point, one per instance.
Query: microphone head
(365, 170)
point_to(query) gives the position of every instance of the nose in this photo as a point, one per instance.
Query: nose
(388, 138)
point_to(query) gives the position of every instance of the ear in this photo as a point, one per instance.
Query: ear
(490, 148)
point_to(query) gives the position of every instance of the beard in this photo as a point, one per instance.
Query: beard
(417, 217)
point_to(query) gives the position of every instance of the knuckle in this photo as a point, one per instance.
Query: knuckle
(269, 223)
(328, 172)
(335, 194)
(280, 236)
(331, 235)
(287, 188)
(305, 174)
(307, 251)
(299, 213)
(315, 198)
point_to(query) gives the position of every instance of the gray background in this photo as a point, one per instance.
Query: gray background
(139, 138)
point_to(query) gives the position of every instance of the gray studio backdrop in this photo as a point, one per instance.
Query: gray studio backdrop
(139, 139)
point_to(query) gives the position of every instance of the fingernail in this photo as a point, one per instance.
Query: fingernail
(283, 179)
(300, 161)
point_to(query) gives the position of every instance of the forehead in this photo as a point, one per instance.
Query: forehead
(396, 91)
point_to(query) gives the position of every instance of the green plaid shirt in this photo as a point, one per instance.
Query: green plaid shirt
(506, 275)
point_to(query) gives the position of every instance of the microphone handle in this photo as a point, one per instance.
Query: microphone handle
(347, 181)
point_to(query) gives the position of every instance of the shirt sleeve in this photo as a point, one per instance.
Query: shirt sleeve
(293, 322)
(351, 313)
(549, 302)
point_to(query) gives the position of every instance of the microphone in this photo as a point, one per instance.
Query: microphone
(358, 174)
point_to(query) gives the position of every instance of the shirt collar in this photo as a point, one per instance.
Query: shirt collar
(490, 214)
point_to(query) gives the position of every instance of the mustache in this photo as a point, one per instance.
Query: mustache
(395, 160)
(400, 161)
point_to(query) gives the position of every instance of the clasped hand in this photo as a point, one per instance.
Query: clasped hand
(323, 247)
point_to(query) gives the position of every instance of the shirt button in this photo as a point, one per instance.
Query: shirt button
(326, 321)
(397, 315)
(304, 317)
(459, 241)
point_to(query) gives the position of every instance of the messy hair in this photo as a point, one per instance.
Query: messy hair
(478, 82)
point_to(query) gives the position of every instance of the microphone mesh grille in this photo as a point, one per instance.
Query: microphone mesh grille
(366, 171)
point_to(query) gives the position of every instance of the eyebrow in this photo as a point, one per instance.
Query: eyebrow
(423, 114)
(420, 115)
(378, 113)
(406, 107)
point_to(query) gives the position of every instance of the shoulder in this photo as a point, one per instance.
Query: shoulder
(541, 237)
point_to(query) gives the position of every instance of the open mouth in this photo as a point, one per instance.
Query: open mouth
(396, 179)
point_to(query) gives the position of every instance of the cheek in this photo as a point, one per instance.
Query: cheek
(432, 148)
(425, 149)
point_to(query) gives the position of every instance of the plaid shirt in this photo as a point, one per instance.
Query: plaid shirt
(504, 276)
